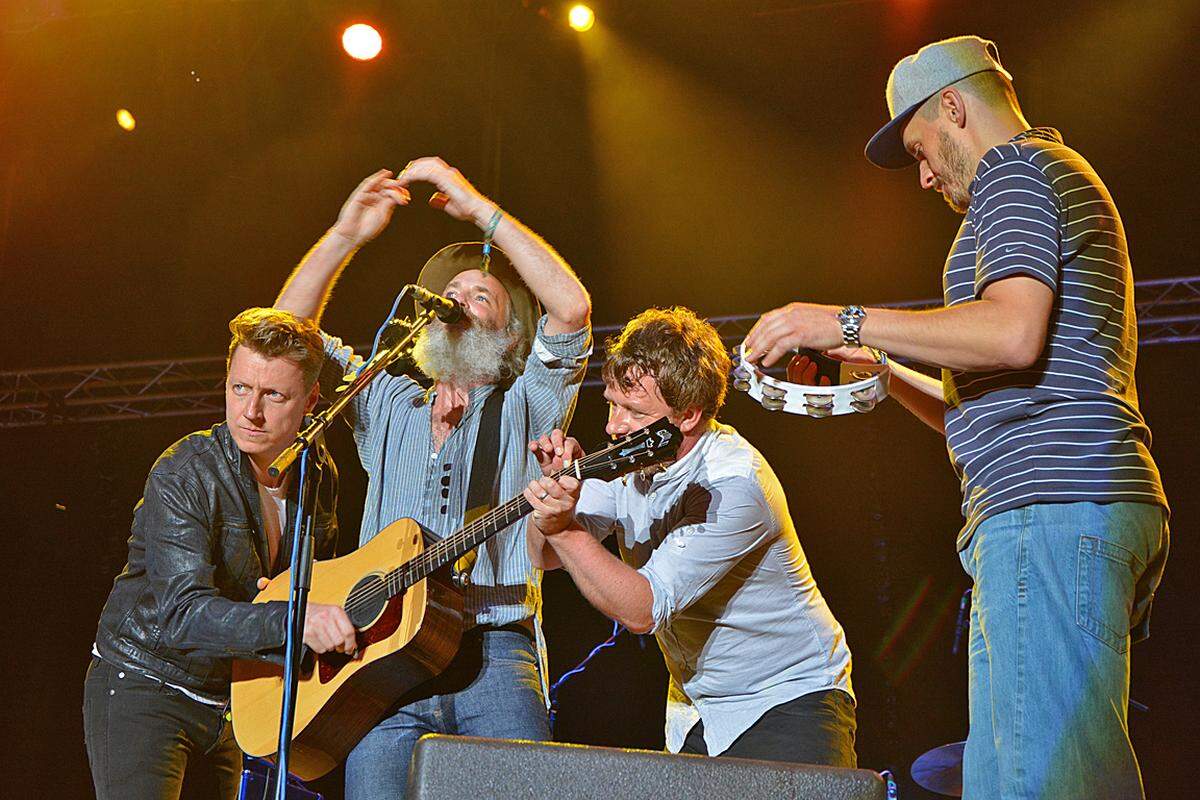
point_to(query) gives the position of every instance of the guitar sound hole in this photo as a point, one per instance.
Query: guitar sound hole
(366, 601)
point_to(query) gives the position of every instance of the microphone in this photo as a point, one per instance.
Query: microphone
(444, 308)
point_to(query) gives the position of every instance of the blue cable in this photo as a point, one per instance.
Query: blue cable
(578, 668)
(379, 333)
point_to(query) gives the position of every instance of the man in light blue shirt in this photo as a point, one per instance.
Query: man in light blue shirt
(418, 446)
(710, 562)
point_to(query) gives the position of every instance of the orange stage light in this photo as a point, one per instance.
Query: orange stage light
(125, 119)
(581, 18)
(361, 41)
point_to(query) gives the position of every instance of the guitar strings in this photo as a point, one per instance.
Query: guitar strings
(363, 597)
(453, 542)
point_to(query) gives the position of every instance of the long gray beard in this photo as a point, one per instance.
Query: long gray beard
(474, 356)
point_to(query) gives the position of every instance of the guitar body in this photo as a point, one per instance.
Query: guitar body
(411, 638)
(408, 616)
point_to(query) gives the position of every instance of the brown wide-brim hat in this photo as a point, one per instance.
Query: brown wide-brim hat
(455, 258)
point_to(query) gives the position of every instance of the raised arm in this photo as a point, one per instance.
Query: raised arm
(551, 280)
(363, 216)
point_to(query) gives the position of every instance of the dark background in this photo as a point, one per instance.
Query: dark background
(700, 153)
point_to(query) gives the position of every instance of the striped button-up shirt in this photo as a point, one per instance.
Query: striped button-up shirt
(408, 478)
(1067, 428)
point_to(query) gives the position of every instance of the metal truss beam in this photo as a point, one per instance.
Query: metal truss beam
(1168, 313)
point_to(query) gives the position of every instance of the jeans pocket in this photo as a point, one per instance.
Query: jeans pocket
(1104, 586)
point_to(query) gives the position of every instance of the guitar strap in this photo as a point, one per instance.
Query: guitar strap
(483, 490)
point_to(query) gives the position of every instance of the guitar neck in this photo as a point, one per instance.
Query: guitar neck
(455, 546)
(642, 448)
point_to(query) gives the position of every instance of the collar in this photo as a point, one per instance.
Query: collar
(1044, 134)
(683, 467)
(474, 396)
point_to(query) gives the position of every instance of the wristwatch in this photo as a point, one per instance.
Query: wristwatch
(851, 319)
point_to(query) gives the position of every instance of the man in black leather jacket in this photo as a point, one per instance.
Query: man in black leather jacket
(210, 525)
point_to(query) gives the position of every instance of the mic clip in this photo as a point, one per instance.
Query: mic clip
(444, 308)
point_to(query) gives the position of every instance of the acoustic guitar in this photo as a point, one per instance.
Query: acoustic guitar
(398, 591)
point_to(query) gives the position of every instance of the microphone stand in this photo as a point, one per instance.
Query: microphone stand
(302, 538)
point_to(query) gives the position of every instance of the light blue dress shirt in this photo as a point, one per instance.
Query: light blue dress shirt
(740, 620)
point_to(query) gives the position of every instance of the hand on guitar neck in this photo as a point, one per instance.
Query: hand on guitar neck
(327, 629)
(555, 451)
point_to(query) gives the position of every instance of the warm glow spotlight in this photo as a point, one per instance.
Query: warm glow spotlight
(125, 119)
(362, 41)
(581, 18)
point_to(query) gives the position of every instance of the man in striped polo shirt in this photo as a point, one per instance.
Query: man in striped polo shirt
(418, 446)
(1066, 520)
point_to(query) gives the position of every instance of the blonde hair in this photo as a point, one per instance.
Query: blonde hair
(274, 333)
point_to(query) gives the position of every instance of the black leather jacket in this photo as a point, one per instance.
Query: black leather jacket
(180, 608)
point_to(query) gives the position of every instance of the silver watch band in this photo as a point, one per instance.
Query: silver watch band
(851, 319)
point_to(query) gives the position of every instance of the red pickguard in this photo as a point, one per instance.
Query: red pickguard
(330, 664)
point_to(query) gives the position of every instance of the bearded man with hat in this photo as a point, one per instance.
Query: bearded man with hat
(502, 376)
(1066, 521)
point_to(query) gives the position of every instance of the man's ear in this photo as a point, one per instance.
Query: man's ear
(690, 420)
(953, 107)
(313, 397)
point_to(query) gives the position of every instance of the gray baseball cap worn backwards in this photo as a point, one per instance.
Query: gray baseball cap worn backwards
(920, 76)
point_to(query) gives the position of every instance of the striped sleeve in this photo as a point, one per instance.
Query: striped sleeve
(1017, 226)
(372, 403)
(554, 371)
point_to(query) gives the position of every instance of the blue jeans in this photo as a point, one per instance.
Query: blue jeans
(1058, 589)
(492, 688)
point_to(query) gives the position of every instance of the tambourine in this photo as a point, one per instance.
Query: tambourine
(853, 389)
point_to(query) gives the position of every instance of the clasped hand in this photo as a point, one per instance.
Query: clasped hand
(370, 206)
(554, 500)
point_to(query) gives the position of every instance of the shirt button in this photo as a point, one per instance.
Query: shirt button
(111, 692)
(653, 495)
(433, 455)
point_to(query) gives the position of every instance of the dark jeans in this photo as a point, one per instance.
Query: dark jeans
(144, 738)
(816, 728)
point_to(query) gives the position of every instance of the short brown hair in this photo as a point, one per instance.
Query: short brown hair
(682, 352)
(273, 333)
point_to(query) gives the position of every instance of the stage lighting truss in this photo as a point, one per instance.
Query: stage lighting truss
(1168, 313)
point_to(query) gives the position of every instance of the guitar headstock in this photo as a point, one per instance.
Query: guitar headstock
(657, 442)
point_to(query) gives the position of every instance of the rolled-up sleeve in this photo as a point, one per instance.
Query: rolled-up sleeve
(694, 557)
(596, 509)
(553, 374)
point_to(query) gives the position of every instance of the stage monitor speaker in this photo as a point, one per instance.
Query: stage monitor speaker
(456, 767)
